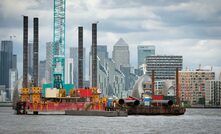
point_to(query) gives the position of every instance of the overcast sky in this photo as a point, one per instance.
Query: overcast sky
(191, 28)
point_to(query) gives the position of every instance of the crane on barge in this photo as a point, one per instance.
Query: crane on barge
(60, 96)
(57, 95)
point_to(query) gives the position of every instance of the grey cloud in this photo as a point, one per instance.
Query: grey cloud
(180, 18)
(112, 26)
(41, 5)
(189, 23)
(12, 18)
(139, 3)
(130, 19)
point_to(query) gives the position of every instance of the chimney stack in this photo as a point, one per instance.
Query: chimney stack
(94, 55)
(153, 82)
(80, 57)
(35, 52)
(177, 87)
(25, 52)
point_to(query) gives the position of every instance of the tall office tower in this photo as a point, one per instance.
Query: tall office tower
(49, 56)
(110, 80)
(35, 52)
(94, 55)
(5, 62)
(4, 72)
(213, 93)
(7, 46)
(164, 66)
(220, 76)
(13, 80)
(14, 61)
(68, 71)
(80, 58)
(102, 53)
(142, 52)
(192, 85)
(121, 54)
(74, 56)
(2, 93)
(130, 78)
(42, 72)
(30, 59)
(25, 51)
(102, 80)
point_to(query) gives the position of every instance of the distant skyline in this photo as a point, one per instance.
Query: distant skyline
(176, 27)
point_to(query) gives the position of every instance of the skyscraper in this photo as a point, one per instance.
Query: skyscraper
(220, 76)
(4, 68)
(14, 61)
(69, 71)
(74, 56)
(164, 66)
(6, 56)
(49, 56)
(42, 71)
(102, 52)
(143, 51)
(5, 61)
(121, 54)
(110, 80)
(2, 93)
(13, 78)
(7, 46)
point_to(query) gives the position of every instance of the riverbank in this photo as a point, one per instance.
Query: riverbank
(206, 107)
(5, 104)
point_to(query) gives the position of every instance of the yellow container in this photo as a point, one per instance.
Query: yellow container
(25, 91)
(36, 90)
(24, 97)
(62, 93)
(72, 93)
(36, 98)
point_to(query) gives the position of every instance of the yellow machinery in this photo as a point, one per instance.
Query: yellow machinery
(36, 94)
(24, 94)
(62, 93)
(72, 93)
(36, 97)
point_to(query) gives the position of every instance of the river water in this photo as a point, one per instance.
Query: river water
(199, 121)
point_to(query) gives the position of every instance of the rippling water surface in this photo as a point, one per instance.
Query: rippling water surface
(201, 121)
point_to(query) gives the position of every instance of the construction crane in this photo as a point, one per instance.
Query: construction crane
(56, 95)
(58, 63)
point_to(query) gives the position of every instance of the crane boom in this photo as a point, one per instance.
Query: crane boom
(58, 63)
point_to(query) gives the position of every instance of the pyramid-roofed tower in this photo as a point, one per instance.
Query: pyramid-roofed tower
(121, 42)
(121, 54)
